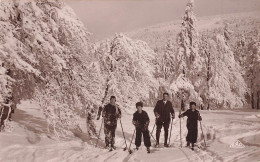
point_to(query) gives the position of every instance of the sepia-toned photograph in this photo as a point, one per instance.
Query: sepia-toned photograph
(129, 80)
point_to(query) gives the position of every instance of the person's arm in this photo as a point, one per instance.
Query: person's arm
(134, 121)
(99, 112)
(199, 117)
(118, 111)
(147, 121)
(184, 114)
(156, 110)
(104, 112)
(172, 111)
(119, 115)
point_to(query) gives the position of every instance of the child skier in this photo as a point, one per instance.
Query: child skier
(141, 123)
(192, 124)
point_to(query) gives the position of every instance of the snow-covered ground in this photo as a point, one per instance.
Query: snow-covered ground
(30, 140)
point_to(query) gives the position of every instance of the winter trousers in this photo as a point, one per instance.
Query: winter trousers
(159, 125)
(192, 135)
(109, 131)
(146, 136)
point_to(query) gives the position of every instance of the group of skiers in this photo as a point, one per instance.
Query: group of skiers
(163, 112)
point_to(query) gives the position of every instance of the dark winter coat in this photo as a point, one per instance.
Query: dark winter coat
(164, 111)
(193, 117)
(141, 120)
(110, 116)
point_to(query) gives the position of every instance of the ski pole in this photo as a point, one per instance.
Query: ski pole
(123, 135)
(99, 131)
(153, 137)
(203, 134)
(130, 151)
(180, 130)
(170, 133)
(153, 127)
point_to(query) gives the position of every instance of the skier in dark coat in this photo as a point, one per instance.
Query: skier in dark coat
(141, 122)
(163, 112)
(192, 124)
(4, 114)
(111, 113)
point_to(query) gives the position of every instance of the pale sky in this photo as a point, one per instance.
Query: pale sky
(104, 18)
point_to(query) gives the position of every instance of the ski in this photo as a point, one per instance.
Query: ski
(135, 150)
(132, 150)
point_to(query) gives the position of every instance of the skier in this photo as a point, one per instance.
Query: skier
(111, 113)
(162, 112)
(91, 128)
(192, 124)
(4, 114)
(141, 123)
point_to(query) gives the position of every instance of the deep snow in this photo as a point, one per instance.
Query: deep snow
(30, 140)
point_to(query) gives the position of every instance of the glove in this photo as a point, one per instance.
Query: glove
(157, 115)
(108, 122)
(146, 125)
(199, 117)
(180, 116)
(135, 123)
(173, 116)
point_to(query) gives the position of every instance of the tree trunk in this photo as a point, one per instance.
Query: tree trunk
(208, 70)
(258, 99)
(252, 100)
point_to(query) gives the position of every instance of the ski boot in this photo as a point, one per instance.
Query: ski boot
(113, 147)
(192, 146)
(148, 150)
(188, 144)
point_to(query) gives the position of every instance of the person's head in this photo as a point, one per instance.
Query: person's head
(192, 105)
(92, 110)
(139, 106)
(7, 101)
(165, 96)
(112, 99)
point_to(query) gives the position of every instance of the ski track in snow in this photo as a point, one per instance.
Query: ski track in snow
(221, 128)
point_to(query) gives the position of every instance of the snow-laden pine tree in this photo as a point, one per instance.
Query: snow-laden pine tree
(168, 62)
(46, 47)
(227, 87)
(189, 62)
(253, 72)
(128, 67)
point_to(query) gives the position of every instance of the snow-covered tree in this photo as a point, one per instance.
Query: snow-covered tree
(189, 62)
(47, 49)
(252, 72)
(128, 67)
(168, 61)
(227, 87)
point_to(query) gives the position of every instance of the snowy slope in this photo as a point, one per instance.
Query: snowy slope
(30, 140)
(158, 35)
